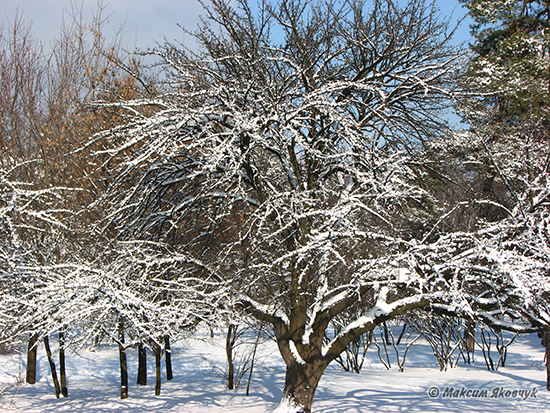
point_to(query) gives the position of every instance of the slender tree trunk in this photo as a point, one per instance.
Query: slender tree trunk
(96, 342)
(168, 351)
(469, 336)
(31, 359)
(229, 343)
(52, 367)
(300, 384)
(142, 365)
(123, 363)
(386, 333)
(157, 369)
(547, 356)
(62, 371)
(252, 361)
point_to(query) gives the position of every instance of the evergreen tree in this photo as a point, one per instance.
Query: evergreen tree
(508, 83)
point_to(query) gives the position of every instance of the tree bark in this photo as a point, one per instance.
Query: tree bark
(62, 371)
(300, 384)
(252, 361)
(142, 365)
(229, 343)
(469, 336)
(168, 351)
(547, 357)
(123, 363)
(31, 359)
(52, 367)
(157, 369)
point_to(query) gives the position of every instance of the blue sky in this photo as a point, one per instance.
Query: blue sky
(144, 21)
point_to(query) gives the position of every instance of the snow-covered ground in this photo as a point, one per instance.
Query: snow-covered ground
(93, 380)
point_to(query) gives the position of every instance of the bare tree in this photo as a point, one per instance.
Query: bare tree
(284, 161)
(45, 184)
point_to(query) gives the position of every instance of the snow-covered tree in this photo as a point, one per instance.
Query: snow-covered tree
(128, 295)
(25, 217)
(46, 187)
(508, 79)
(507, 145)
(284, 159)
(33, 228)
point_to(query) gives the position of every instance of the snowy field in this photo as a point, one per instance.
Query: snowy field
(93, 381)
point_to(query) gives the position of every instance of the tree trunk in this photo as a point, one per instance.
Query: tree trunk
(547, 356)
(229, 343)
(95, 344)
(469, 336)
(31, 359)
(123, 363)
(52, 366)
(252, 361)
(62, 372)
(300, 384)
(142, 365)
(169, 375)
(157, 368)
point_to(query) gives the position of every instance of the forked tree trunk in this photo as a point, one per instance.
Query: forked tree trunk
(31, 359)
(52, 367)
(62, 371)
(123, 363)
(168, 351)
(306, 362)
(300, 384)
(142, 365)
(157, 369)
